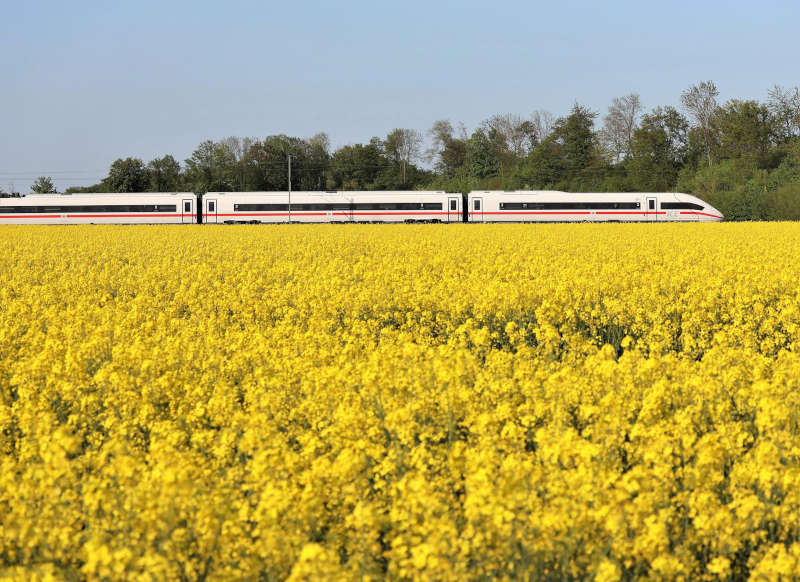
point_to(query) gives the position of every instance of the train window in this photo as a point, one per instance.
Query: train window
(680, 206)
(453, 205)
(18, 209)
(476, 204)
(263, 207)
(397, 206)
(432, 205)
(569, 205)
(339, 206)
(651, 204)
(211, 206)
(90, 208)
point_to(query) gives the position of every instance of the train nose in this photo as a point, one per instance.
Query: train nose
(715, 215)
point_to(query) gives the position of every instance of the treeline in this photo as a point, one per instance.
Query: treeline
(742, 156)
(246, 164)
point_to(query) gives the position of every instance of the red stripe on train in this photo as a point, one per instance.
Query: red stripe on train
(507, 212)
(397, 213)
(703, 213)
(138, 215)
(629, 212)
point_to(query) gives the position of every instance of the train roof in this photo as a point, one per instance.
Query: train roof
(562, 193)
(61, 195)
(335, 192)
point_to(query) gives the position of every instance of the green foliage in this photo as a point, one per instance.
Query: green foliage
(745, 129)
(659, 150)
(483, 162)
(128, 175)
(577, 139)
(448, 152)
(266, 164)
(784, 202)
(542, 168)
(43, 185)
(568, 158)
(743, 191)
(211, 168)
(378, 165)
(165, 174)
(358, 166)
(402, 147)
(93, 189)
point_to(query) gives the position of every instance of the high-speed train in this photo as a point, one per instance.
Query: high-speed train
(554, 206)
(356, 207)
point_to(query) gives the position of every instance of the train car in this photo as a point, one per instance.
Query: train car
(555, 206)
(133, 208)
(337, 206)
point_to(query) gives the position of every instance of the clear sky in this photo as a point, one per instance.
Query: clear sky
(84, 83)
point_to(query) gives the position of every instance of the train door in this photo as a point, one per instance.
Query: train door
(651, 211)
(453, 212)
(476, 212)
(211, 210)
(187, 216)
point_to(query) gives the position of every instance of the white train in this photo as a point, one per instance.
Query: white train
(139, 208)
(554, 206)
(271, 207)
(342, 207)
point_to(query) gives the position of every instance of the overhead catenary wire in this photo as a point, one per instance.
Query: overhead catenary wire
(281, 166)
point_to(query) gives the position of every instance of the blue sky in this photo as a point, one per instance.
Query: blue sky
(86, 82)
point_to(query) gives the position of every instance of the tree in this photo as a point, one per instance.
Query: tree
(128, 175)
(320, 157)
(483, 161)
(201, 171)
(448, 152)
(402, 147)
(235, 150)
(575, 134)
(511, 138)
(165, 174)
(659, 150)
(784, 105)
(43, 185)
(266, 163)
(544, 166)
(700, 101)
(745, 130)
(565, 158)
(358, 167)
(542, 122)
(619, 124)
(213, 167)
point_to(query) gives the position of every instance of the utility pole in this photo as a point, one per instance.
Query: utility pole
(290, 189)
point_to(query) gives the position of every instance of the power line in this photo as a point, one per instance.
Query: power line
(31, 177)
(277, 165)
(51, 173)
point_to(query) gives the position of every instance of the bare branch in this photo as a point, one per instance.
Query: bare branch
(619, 124)
(700, 101)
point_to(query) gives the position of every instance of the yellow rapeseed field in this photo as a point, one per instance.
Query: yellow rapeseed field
(362, 402)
